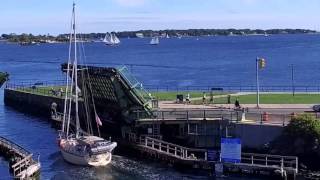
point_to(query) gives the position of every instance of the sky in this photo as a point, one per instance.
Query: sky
(53, 17)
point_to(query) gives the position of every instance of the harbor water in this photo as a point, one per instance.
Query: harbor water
(174, 62)
(209, 61)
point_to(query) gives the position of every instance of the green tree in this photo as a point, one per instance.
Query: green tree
(301, 138)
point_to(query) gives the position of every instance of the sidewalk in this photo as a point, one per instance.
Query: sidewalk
(174, 105)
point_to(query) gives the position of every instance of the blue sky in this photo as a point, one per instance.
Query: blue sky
(44, 16)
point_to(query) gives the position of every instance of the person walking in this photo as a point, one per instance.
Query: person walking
(229, 99)
(188, 98)
(237, 103)
(204, 97)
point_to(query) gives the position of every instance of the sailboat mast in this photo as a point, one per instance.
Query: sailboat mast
(67, 81)
(75, 64)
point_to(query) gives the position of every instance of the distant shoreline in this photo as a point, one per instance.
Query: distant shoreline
(30, 38)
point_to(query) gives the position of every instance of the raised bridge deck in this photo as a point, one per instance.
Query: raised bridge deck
(23, 166)
(198, 157)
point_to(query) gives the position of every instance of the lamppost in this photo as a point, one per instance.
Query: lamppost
(260, 64)
(292, 79)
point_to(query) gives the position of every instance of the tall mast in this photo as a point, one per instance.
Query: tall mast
(67, 83)
(75, 64)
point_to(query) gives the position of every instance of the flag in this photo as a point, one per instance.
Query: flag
(98, 120)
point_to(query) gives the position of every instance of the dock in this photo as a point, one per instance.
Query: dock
(22, 164)
(251, 163)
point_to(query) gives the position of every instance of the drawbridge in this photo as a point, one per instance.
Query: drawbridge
(116, 93)
(3, 78)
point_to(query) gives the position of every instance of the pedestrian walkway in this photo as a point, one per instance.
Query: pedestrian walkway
(174, 105)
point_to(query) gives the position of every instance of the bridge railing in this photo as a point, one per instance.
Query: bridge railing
(284, 162)
(226, 88)
(201, 114)
(154, 142)
(234, 116)
(27, 157)
(175, 150)
(9, 144)
(44, 88)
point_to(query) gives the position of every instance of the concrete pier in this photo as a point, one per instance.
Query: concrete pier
(22, 164)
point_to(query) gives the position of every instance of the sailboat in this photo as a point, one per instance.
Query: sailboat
(154, 40)
(111, 39)
(80, 148)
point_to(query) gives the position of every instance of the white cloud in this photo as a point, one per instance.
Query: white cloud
(131, 3)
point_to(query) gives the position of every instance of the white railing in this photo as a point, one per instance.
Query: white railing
(283, 162)
(154, 142)
(22, 164)
(175, 150)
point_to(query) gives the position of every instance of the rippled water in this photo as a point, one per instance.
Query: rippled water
(37, 136)
(181, 62)
(216, 60)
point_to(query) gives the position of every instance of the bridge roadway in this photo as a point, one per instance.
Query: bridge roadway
(278, 114)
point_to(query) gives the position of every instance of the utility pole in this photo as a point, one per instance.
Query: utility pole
(257, 81)
(260, 64)
(292, 79)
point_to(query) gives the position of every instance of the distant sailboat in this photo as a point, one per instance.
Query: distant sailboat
(167, 36)
(111, 39)
(154, 40)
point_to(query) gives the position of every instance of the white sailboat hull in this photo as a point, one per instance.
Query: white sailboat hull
(154, 41)
(75, 152)
(99, 160)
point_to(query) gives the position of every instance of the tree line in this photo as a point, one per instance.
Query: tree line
(148, 33)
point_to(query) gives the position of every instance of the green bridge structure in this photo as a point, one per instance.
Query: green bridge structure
(3, 78)
(116, 92)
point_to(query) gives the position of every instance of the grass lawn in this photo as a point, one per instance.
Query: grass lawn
(272, 99)
(170, 95)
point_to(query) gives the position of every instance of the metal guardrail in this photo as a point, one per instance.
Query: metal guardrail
(167, 148)
(134, 84)
(283, 163)
(23, 164)
(172, 88)
(234, 116)
(39, 88)
(9, 144)
(189, 114)
(224, 88)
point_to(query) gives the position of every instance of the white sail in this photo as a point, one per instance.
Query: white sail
(111, 39)
(80, 148)
(154, 41)
(116, 40)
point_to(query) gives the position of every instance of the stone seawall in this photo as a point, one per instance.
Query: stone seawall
(32, 103)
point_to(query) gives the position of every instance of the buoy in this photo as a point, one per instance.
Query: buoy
(265, 116)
